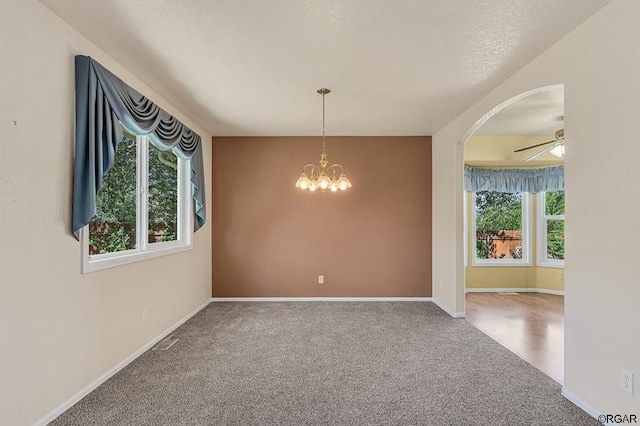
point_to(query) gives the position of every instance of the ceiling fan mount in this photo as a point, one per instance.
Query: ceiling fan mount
(560, 134)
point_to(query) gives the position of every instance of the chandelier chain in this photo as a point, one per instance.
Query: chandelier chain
(323, 141)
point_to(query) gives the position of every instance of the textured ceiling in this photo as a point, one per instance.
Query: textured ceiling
(539, 114)
(252, 67)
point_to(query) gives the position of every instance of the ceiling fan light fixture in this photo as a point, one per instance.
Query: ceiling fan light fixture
(558, 151)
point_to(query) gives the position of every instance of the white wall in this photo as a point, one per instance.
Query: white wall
(599, 64)
(60, 329)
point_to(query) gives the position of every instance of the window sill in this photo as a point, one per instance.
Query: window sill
(558, 264)
(105, 261)
(501, 263)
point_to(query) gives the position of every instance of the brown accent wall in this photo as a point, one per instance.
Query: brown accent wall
(271, 239)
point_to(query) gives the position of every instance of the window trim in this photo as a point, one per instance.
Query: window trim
(97, 262)
(465, 229)
(541, 239)
(526, 235)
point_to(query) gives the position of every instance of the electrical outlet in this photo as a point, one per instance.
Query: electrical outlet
(627, 381)
(320, 279)
(144, 317)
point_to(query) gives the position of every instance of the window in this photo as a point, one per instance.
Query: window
(500, 226)
(143, 209)
(551, 229)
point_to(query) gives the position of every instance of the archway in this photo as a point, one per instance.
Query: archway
(520, 277)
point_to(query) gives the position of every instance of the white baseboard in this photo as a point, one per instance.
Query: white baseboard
(100, 380)
(545, 291)
(514, 290)
(447, 310)
(497, 290)
(583, 405)
(340, 299)
(321, 299)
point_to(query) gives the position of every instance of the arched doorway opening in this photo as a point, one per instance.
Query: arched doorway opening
(513, 282)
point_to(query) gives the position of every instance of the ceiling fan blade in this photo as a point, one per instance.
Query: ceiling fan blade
(547, 149)
(536, 145)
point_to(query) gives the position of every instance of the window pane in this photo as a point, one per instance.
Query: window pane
(113, 228)
(163, 196)
(554, 203)
(498, 225)
(555, 239)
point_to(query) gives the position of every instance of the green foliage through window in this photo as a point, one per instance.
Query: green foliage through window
(554, 203)
(554, 206)
(114, 227)
(163, 196)
(498, 218)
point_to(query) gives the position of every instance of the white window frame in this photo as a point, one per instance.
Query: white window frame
(543, 218)
(526, 236)
(145, 250)
(465, 229)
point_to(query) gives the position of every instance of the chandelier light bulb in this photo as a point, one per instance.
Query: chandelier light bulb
(303, 181)
(324, 181)
(344, 182)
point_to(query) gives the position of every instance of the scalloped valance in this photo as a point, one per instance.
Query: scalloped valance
(103, 101)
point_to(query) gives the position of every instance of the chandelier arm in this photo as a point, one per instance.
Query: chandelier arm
(313, 168)
(331, 167)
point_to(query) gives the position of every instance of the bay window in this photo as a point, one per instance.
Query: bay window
(501, 228)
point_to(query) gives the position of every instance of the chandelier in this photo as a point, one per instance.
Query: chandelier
(323, 176)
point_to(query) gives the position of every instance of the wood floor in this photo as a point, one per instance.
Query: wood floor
(529, 324)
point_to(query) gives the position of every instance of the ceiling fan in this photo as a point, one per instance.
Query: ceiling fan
(556, 147)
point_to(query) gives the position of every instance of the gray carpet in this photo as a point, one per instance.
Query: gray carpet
(324, 363)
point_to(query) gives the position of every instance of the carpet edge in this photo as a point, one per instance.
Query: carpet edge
(59, 410)
(320, 299)
(441, 305)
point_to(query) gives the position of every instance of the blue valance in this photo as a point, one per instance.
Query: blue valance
(514, 180)
(103, 101)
